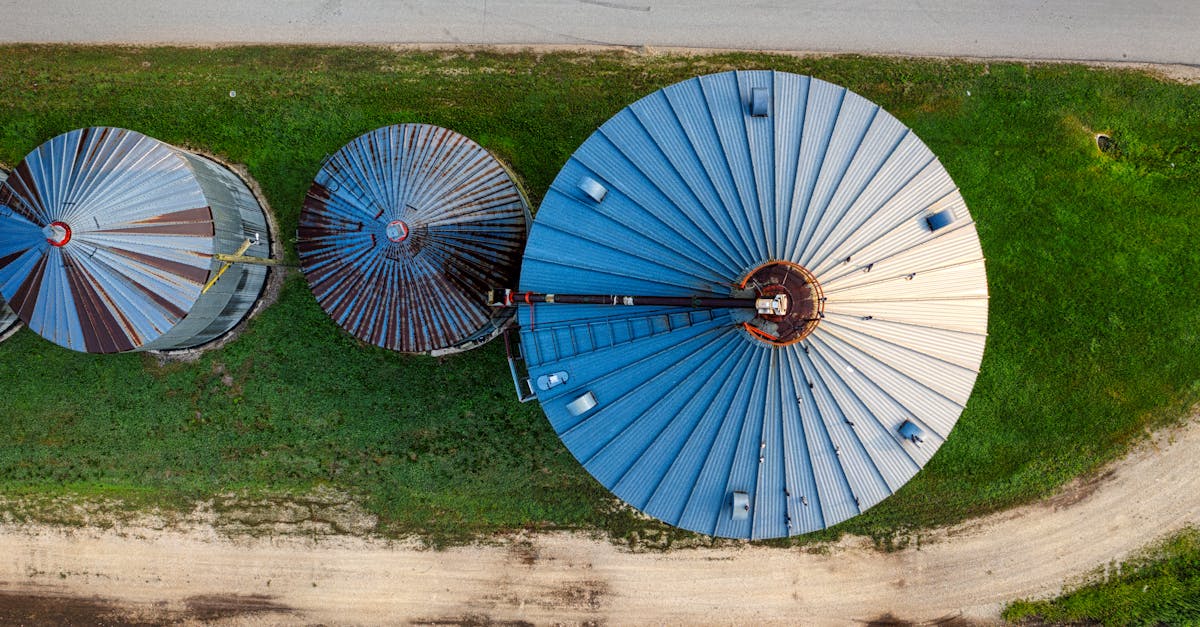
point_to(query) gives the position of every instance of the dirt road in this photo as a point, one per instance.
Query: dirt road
(130, 573)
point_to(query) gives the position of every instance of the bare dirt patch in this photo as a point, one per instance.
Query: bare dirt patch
(585, 594)
(211, 607)
(42, 607)
(26, 608)
(1080, 489)
(888, 620)
(321, 512)
(472, 620)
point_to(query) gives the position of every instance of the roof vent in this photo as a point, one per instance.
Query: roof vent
(940, 219)
(911, 432)
(760, 102)
(547, 381)
(741, 506)
(593, 189)
(582, 404)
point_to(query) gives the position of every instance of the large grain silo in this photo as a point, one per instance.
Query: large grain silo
(109, 242)
(753, 304)
(403, 232)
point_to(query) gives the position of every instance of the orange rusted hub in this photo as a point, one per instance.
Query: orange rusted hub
(806, 302)
(57, 233)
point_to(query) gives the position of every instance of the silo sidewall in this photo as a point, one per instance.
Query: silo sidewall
(237, 217)
(8, 318)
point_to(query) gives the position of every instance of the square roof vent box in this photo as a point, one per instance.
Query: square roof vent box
(760, 102)
(741, 505)
(593, 188)
(547, 381)
(940, 220)
(911, 432)
(582, 404)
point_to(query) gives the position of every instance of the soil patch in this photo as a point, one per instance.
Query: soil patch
(39, 607)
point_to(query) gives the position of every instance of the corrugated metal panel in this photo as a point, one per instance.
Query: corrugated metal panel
(404, 231)
(237, 218)
(107, 240)
(690, 407)
(8, 318)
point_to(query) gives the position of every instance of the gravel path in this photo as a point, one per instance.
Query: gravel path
(967, 571)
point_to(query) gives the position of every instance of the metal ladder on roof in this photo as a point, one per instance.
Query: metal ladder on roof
(517, 366)
(560, 341)
(554, 342)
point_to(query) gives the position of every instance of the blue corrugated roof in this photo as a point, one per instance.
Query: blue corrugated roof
(404, 231)
(690, 407)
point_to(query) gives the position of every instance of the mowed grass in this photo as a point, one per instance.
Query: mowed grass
(1161, 586)
(1092, 266)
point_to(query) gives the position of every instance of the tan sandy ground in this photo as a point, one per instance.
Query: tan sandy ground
(193, 573)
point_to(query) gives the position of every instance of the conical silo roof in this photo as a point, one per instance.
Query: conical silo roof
(710, 419)
(107, 239)
(404, 231)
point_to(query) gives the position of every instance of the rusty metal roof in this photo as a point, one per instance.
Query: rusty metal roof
(105, 239)
(685, 413)
(403, 232)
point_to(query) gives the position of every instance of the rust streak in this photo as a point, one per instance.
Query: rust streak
(193, 274)
(190, 229)
(109, 335)
(25, 298)
(198, 214)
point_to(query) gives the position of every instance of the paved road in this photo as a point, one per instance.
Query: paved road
(1156, 31)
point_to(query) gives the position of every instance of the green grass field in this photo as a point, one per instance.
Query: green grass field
(1092, 265)
(1159, 587)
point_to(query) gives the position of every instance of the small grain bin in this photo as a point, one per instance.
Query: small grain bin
(9, 322)
(109, 242)
(403, 232)
(753, 304)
